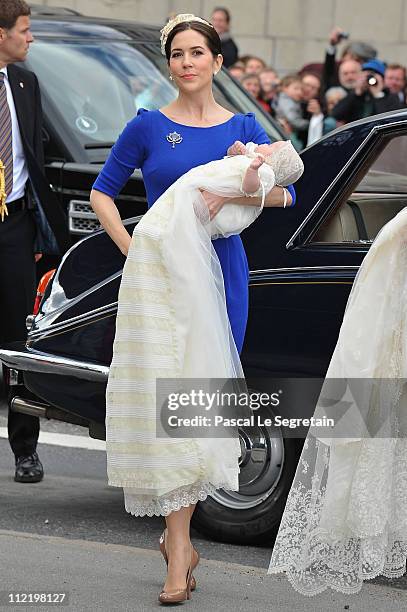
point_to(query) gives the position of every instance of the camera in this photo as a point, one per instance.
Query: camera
(371, 79)
(343, 36)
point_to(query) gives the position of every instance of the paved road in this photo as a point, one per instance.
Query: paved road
(70, 533)
(108, 577)
(75, 501)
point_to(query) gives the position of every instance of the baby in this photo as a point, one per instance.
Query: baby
(265, 153)
(253, 170)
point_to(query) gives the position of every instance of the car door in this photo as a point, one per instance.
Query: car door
(303, 261)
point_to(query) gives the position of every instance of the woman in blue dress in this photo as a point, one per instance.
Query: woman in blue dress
(165, 144)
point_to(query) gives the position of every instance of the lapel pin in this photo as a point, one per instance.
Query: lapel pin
(21, 85)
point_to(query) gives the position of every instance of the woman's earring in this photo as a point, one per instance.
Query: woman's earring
(171, 79)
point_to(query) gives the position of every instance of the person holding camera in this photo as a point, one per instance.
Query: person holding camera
(354, 53)
(370, 96)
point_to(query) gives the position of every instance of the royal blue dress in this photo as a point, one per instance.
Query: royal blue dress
(143, 144)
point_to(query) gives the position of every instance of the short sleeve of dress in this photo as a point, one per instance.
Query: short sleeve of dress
(255, 133)
(127, 154)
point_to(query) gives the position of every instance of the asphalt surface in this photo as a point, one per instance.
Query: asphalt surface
(70, 534)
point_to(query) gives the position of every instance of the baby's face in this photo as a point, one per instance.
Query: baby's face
(269, 149)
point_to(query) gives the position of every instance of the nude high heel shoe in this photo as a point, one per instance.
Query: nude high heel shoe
(195, 558)
(178, 595)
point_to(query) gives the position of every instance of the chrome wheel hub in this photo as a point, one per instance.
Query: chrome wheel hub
(261, 464)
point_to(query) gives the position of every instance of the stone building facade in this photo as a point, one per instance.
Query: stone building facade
(285, 33)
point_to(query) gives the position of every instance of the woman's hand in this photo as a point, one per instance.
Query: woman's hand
(213, 202)
(125, 245)
(109, 217)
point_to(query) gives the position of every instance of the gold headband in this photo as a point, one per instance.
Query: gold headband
(173, 22)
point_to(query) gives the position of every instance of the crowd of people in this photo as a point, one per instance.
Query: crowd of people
(320, 96)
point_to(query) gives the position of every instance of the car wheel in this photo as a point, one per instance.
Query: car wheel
(252, 514)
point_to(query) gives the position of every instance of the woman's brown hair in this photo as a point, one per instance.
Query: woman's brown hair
(208, 32)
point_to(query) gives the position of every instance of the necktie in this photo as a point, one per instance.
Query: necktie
(6, 149)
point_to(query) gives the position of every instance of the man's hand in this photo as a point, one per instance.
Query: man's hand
(361, 83)
(378, 88)
(237, 148)
(335, 36)
(37, 257)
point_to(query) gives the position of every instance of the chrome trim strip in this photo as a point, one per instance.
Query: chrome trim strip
(304, 268)
(57, 311)
(85, 194)
(57, 327)
(373, 131)
(46, 363)
(360, 195)
(110, 308)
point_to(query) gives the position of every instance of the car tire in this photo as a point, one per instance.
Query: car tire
(241, 518)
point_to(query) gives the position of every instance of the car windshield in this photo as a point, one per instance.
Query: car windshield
(97, 87)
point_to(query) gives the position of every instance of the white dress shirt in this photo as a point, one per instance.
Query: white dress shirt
(20, 172)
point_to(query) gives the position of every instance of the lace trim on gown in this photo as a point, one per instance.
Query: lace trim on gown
(341, 539)
(176, 499)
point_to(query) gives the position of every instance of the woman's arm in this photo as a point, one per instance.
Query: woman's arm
(275, 197)
(127, 153)
(108, 215)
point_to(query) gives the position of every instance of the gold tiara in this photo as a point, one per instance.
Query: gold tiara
(173, 22)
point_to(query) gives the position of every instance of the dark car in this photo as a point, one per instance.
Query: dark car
(94, 74)
(303, 261)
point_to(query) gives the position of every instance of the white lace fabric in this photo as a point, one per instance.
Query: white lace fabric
(139, 504)
(286, 164)
(354, 528)
(345, 520)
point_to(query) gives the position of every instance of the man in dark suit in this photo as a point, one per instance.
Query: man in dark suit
(31, 219)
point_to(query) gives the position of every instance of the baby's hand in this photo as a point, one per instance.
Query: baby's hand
(237, 148)
(257, 162)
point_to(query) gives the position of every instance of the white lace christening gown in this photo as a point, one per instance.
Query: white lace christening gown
(345, 520)
(172, 323)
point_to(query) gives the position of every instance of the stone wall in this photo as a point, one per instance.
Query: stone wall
(285, 33)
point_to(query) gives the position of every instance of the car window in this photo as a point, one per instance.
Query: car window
(375, 200)
(97, 87)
